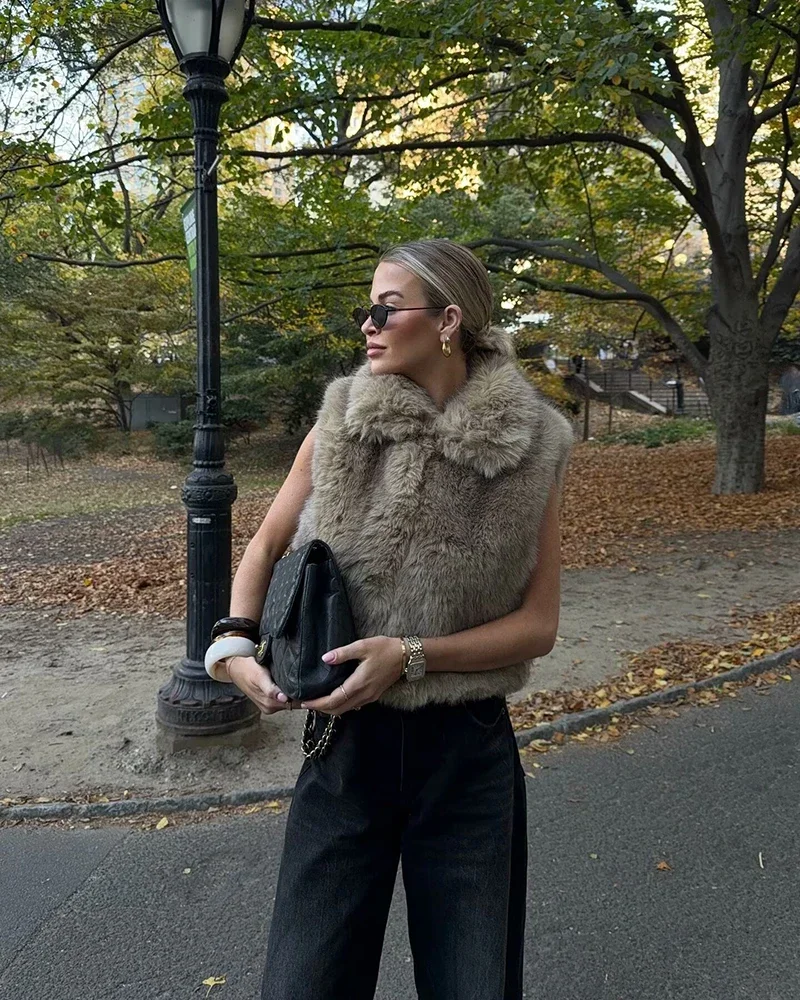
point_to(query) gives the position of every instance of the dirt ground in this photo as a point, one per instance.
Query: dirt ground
(78, 694)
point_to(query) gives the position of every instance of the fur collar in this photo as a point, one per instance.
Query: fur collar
(488, 425)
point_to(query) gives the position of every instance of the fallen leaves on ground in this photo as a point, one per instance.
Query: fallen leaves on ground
(621, 724)
(147, 822)
(83, 486)
(147, 575)
(668, 665)
(619, 501)
(213, 981)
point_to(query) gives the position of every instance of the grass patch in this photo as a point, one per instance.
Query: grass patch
(124, 478)
(655, 435)
(84, 487)
(788, 427)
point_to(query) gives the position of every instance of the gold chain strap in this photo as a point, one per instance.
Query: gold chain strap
(310, 749)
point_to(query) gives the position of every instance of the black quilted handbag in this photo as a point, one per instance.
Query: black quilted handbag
(306, 613)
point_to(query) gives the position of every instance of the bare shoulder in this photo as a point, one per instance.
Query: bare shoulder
(280, 522)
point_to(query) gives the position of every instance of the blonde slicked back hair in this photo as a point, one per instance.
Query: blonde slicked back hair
(450, 275)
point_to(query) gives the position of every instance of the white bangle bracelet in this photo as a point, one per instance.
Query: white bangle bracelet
(231, 645)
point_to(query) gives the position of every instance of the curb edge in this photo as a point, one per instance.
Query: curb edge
(575, 722)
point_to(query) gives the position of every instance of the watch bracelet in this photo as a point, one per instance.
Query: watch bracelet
(412, 646)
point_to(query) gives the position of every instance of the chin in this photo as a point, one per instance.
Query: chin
(381, 366)
(391, 365)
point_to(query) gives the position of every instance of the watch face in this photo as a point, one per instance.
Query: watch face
(415, 670)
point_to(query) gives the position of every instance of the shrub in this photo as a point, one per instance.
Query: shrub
(174, 440)
(11, 425)
(241, 415)
(63, 435)
(667, 432)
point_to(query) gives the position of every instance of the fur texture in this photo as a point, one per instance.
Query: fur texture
(434, 514)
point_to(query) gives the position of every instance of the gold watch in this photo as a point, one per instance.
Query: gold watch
(414, 662)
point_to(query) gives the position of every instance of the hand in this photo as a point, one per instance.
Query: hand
(381, 665)
(256, 682)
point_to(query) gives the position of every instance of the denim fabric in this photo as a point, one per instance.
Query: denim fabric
(441, 789)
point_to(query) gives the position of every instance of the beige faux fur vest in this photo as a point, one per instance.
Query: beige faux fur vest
(433, 514)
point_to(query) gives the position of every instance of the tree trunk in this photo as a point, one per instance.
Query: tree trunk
(587, 395)
(737, 383)
(122, 412)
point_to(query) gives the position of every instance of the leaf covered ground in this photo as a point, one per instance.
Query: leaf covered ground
(619, 502)
(670, 664)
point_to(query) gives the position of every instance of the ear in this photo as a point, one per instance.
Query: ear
(450, 322)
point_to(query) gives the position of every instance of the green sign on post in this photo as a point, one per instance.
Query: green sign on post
(190, 232)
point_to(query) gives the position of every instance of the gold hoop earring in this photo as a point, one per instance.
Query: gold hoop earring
(447, 350)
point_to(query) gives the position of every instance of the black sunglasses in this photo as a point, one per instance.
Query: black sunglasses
(380, 314)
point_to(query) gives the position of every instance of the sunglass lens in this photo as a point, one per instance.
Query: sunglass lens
(378, 313)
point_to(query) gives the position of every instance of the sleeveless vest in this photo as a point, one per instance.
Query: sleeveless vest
(434, 514)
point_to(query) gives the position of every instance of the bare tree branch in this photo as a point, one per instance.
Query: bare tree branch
(661, 128)
(762, 83)
(331, 248)
(631, 292)
(55, 259)
(99, 66)
(781, 227)
(370, 27)
(784, 291)
(791, 98)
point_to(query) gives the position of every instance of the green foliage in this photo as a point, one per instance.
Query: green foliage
(87, 339)
(550, 129)
(62, 435)
(11, 425)
(241, 416)
(786, 349)
(789, 427)
(173, 440)
(665, 432)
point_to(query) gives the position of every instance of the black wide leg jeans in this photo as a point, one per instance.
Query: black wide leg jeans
(440, 789)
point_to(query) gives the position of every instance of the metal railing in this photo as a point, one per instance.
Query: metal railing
(692, 400)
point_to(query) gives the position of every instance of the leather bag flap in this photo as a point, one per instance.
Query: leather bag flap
(285, 586)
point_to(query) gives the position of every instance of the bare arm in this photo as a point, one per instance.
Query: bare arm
(268, 544)
(528, 632)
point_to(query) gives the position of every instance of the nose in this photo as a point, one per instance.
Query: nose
(368, 326)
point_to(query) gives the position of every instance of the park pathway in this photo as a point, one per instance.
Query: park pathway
(112, 913)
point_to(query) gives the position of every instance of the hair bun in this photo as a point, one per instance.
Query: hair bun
(495, 340)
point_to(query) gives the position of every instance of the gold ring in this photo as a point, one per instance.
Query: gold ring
(346, 695)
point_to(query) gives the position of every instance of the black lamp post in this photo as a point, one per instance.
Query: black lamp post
(206, 35)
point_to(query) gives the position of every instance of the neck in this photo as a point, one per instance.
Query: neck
(443, 380)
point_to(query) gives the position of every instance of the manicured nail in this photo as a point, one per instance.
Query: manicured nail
(329, 657)
(303, 705)
(282, 697)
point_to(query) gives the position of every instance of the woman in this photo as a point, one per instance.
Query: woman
(434, 473)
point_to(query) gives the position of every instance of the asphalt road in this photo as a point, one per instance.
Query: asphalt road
(110, 913)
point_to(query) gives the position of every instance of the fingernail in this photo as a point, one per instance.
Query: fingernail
(303, 705)
(282, 697)
(329, 657)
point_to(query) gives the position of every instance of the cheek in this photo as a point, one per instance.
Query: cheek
(412, 345)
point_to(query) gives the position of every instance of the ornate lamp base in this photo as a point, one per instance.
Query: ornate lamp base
(191, 703)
